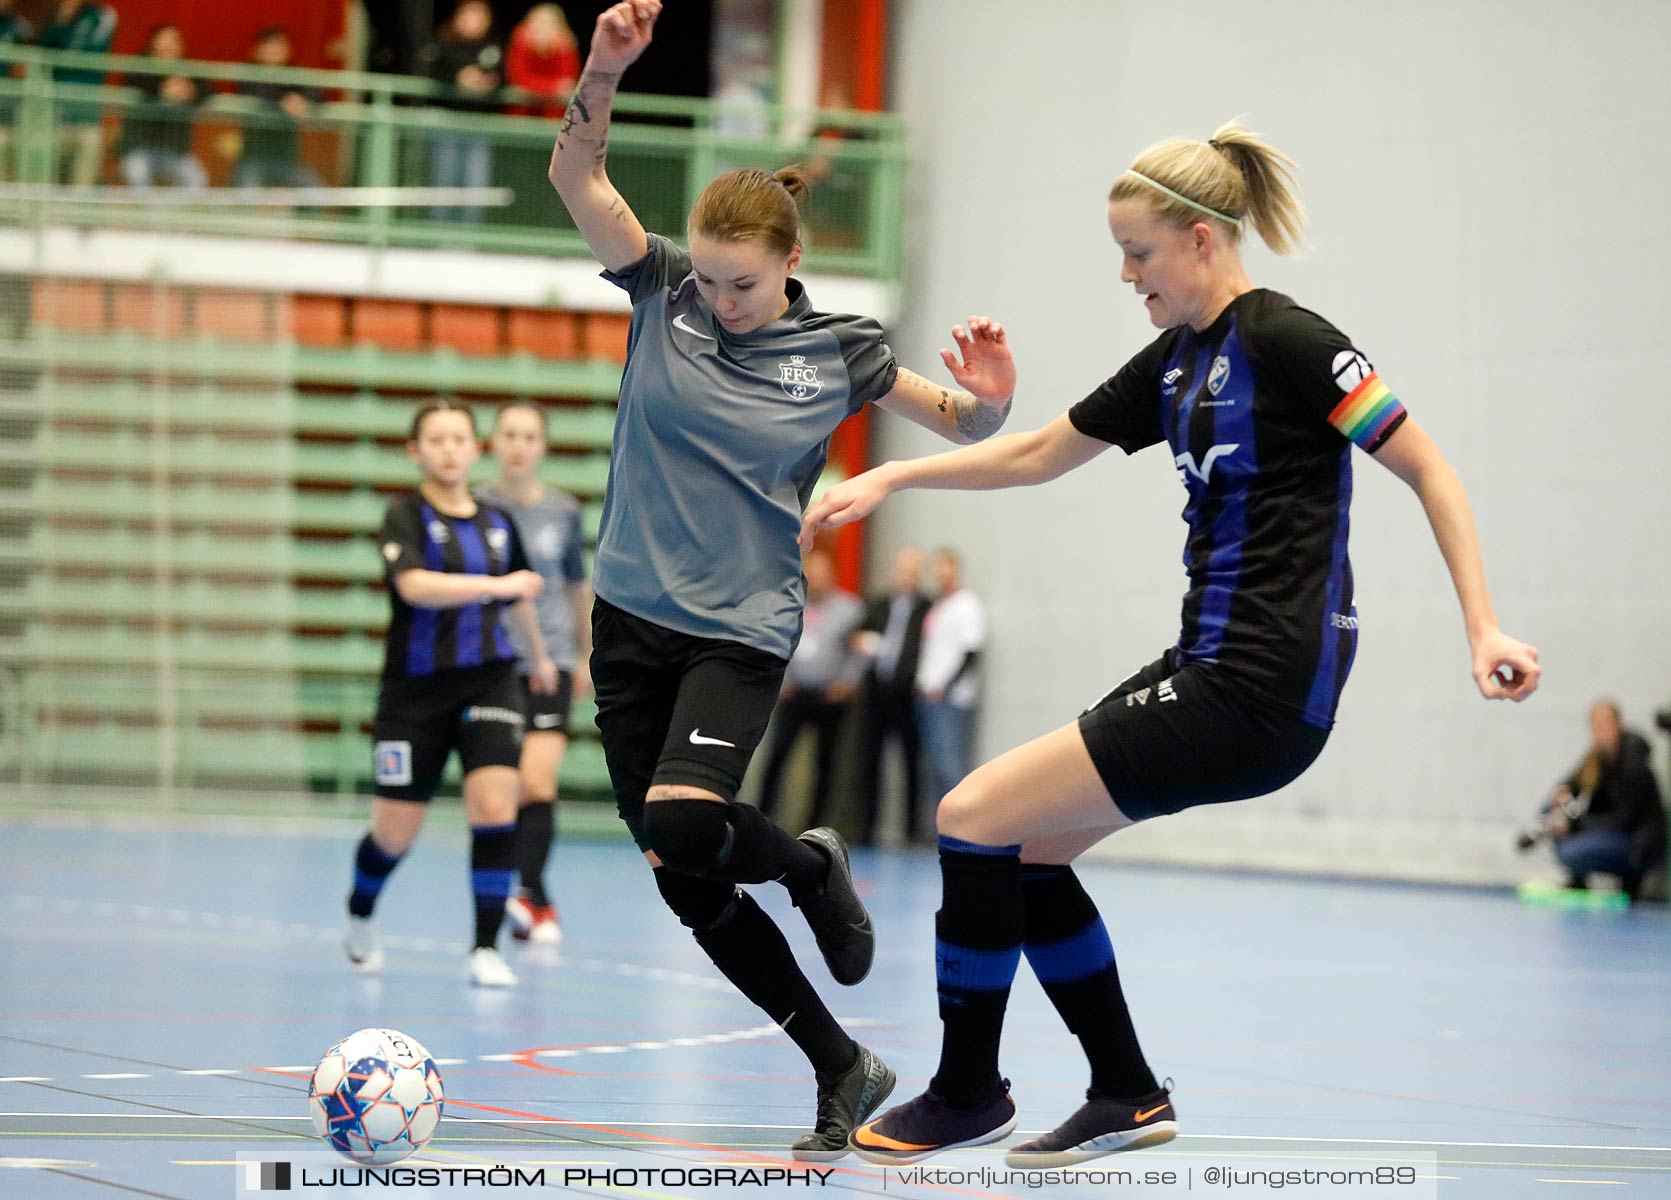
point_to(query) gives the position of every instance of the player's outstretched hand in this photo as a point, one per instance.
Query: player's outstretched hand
(851, 500)
(1505, 669)
(622, 33)
(987, 370)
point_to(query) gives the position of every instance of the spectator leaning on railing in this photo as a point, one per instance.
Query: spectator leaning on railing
(14, 31)
(155, 146)
(544, 59)
(87, 26)
(272, 145)
(466, 56)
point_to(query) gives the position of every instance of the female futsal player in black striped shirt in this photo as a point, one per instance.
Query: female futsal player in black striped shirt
(450, 681)
(1260, 402)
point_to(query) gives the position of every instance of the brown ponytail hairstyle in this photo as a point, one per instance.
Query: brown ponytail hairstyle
(1235, 173)
(750, 204)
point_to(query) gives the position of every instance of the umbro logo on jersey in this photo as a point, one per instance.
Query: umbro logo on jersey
(1186, 460)
(1169, 381)
(1219, 375)
(1350, 369)
(696, 739)
(680, 322)
(1139, 698)
(799, 380)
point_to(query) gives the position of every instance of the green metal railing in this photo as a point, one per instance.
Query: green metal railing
(379, 131)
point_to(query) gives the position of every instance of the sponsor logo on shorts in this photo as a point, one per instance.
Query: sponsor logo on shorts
(547, 720)
(696, 739)
(1343, 620)
(392, 763)
(1164, 693)
(1138, 698)
(487, 712)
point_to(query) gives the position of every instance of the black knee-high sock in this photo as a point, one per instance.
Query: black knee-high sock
(978, 933)
(492, 870)
(735, 843)
(1068, 949)
(536, 832)
(749, 949)
(372, 867)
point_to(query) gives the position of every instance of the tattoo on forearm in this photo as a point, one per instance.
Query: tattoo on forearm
(592, 95)
(975, 420)
(945, 399)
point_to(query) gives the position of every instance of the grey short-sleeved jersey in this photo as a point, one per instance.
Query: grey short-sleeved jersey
(719, 440)
(552, 539)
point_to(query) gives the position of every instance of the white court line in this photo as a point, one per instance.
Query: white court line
(117, 1075)
(555, 1120)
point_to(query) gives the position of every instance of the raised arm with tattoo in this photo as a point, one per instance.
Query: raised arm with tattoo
(611, 230)
(987, 373)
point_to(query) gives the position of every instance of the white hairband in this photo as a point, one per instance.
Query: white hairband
(1195, 204)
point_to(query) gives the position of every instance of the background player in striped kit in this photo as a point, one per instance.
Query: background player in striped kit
(449, 681)
(1261, 402)
(548, 522)
(733, 385)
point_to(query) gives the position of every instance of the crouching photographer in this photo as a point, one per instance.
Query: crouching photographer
(1607, 816)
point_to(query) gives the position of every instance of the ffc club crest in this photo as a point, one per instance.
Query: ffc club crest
(800, 381)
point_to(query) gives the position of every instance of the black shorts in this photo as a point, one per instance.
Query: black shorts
(476, 710)
(676, 709)
(1171, 737)
(548, 712)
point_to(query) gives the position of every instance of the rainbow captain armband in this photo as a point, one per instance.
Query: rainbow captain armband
(1369, 413)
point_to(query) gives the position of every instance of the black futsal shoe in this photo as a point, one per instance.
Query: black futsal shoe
(928, 1124)
(1103, 1125)
(839, 922)
(842, 1104)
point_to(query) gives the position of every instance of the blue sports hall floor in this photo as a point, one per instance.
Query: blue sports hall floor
(168, 978)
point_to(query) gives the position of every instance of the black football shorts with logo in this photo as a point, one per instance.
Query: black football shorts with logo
(1173, 737)
(548, 712)
(676, 709)
(476, 710)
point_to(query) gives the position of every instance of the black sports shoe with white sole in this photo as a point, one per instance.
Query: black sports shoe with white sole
(1103, 1125)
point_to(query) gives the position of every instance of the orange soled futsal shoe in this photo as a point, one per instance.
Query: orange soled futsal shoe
(928, 1125)
(1103, 1125)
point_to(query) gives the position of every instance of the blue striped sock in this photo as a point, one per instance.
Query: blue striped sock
(492, 875)
(978, 935)
(372, 868)
(1068, 947)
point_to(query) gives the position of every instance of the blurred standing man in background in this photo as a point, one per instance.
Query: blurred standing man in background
(892, 638)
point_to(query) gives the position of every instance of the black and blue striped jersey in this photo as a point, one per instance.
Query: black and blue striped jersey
(1261, 410)
(416, 536)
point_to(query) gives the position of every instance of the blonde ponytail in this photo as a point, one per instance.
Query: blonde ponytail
(1234, 177)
